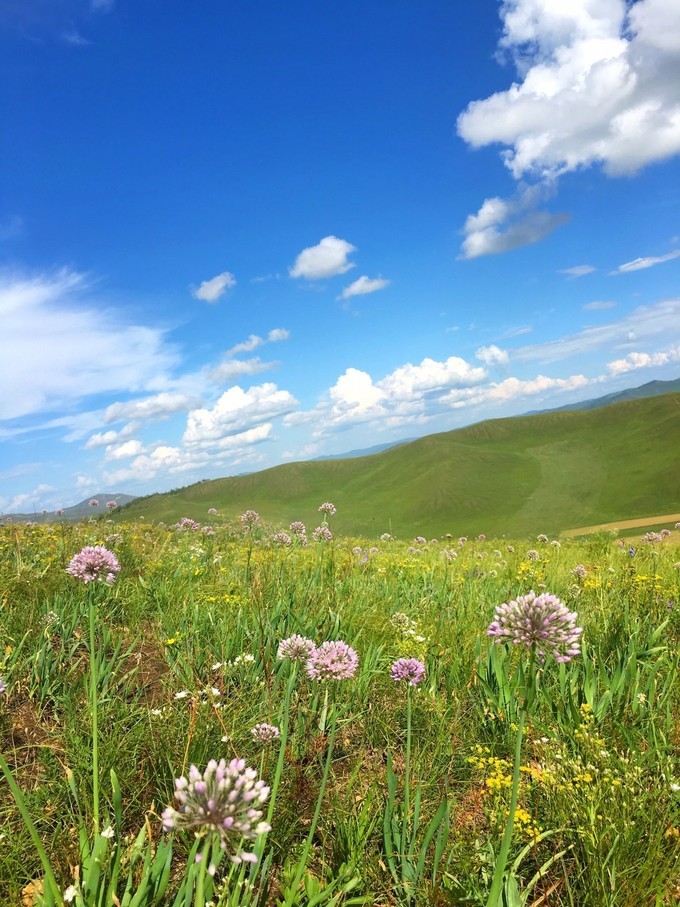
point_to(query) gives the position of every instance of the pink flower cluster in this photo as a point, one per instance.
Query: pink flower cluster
(540, 622)
(410, 670)
(94, 563)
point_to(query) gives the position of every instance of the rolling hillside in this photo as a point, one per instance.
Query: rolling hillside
(531, 474)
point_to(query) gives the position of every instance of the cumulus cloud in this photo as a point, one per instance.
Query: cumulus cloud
(504, 224)
(213, 289)
(124, 451)
(639, 264)
(644, 360)
(513, 389)
(492, 356)
(237, 411)
(150, 409)
(327, 259)
(82, 346)
(577, 271)
(363, 285)
(598, 83)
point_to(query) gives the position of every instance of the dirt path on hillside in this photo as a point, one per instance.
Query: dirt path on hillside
(623, 524)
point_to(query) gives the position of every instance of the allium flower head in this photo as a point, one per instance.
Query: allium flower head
(540, 621)
(212, 511)
(332, 661)
(328, 509)
(111, 505)
(224, 799)
(59, 511)
(265, 733)
(322, 534)
(409, 669)
(281, 539)
(296, 647)
(249, 519)
(94, 503)
(94, 563)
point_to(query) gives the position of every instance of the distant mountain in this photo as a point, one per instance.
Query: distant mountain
(366, 451)
(651, 389)
(514, 476)
(83, 510)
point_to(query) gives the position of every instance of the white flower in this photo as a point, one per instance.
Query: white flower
(70, 893)
(108, 832)
(675, 787)
(182, 694)
(216, 666)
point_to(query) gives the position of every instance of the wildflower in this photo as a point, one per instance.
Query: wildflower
(249, 519)
(94, 503)
(322, 534)
(108, 832)
(533, 555)
(182, 694)
(111, 505)
(332, 661)
(187, 524)
(60, 512)
(409, 669)
(265, 733)
(540, 621)
(70, 893)
(298, 528)
(385, 537)
(555, 544)
(481, 537)
(419, 540)
(94, 563)
(212, 511)
(296, 647)
(224, 800)
(542, 538)
(328, 509)
(580, 571)
(282, 539)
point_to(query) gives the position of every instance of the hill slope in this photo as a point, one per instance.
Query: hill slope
(528, 474)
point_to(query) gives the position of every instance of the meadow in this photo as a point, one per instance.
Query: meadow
(414, 759)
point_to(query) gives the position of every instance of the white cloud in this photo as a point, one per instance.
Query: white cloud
(645, 322)
(577, 271)
(492, 356)
(504, 224)
(513, 389)
(327, 259)
(73, 37)
(598, 305)
(276, 335)
(644, 360)
(150, 409)
(61, 344)
(234, 368)
(211, 290)
(123, 451)
(639, 264)
(363, 285)
(596, 86)
(236, 411)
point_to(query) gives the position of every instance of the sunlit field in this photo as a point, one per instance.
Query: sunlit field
(413, 759)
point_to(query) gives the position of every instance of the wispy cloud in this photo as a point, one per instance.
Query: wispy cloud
(11, 227)
(363, 285)
(639, 264)
(577, 271)
(598, 305)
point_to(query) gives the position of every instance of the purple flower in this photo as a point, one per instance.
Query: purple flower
(328, 509)
(186, 524)
(265, 733)
(249, 519)
(542, 622)
(94, 503)
(580, 571)
(409, 669)
(111, 505)
(224, 800)
(322, 534)
(212, 511)
(94, 563)
(296, 647)
(332, 661)
(420, 540)
(282, 539)
(59, 511)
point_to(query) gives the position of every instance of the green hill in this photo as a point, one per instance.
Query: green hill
(540, 473)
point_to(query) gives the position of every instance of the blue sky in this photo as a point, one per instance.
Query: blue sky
(236, 235)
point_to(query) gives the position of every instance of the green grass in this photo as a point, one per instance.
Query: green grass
(546, 473)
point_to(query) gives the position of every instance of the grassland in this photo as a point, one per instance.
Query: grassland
(382, 793)
(547, 472)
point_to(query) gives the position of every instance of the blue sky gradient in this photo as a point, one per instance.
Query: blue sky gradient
(235, 235)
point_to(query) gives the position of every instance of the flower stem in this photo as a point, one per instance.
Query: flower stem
(94, 690)
(502, 859)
